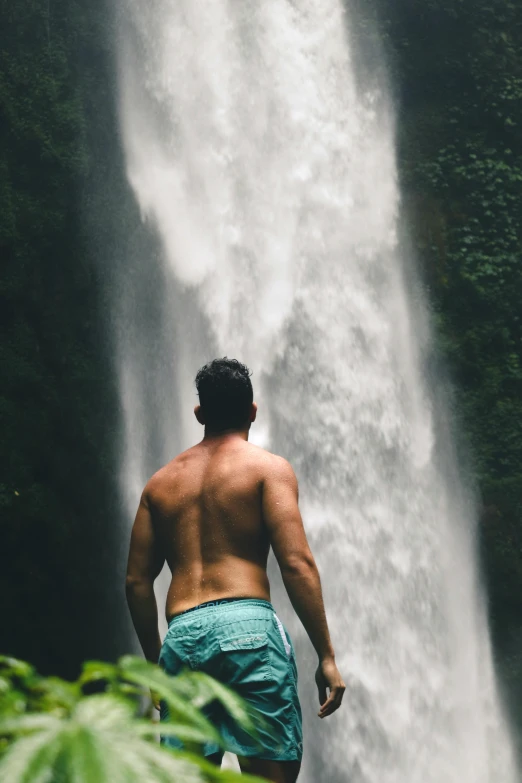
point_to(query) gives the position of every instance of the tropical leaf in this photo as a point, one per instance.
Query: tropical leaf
(179, 730)
(13, 667)
(26, 724)
(168, 766)
(237, 708)
(104, 711)
(5, 685)
(85, 758)
(95, 671)
(67, 737)
(56, 693)
(31, 759)
(102, 747)
(196, 687)
(180, 709)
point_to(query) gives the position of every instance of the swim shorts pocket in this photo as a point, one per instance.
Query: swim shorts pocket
(248, 657)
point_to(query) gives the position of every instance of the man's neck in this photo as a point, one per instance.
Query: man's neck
(215, 435)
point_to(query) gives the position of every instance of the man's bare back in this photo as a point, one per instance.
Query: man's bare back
(208, 511)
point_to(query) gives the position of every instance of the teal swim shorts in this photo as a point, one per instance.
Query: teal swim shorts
(243, 644)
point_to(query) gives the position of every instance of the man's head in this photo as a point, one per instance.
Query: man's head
(226, 398)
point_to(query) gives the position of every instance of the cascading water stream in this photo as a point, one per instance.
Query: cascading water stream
(268, 173)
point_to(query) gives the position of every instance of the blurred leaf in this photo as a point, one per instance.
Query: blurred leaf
(169, 689)
(206, 689)
(12, 667)
(67, 737)
(94, 671)
(28, 723)
(178, 730)
(31, 759)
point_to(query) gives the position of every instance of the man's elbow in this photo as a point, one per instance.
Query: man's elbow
(298, 564)
(135, 585)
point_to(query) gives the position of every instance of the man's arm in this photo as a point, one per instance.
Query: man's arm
(300, 575)
(144, 565)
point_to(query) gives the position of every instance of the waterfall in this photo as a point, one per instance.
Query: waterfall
(265, 167)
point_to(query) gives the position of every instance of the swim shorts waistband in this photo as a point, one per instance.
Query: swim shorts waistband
(218, 602)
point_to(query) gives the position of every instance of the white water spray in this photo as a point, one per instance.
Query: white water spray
(269, 176)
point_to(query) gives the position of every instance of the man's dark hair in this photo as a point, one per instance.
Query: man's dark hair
(225, 394)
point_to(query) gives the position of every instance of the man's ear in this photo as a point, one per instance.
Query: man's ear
(253, 412)
(198, 413)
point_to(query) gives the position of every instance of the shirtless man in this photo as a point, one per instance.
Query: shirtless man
(212, 514)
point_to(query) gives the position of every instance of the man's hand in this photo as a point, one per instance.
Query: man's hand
(328, 676)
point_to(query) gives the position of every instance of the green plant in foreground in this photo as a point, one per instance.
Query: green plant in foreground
(95, 730)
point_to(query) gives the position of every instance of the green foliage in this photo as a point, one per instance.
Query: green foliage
(53, 730)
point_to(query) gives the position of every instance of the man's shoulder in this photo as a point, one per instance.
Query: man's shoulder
(165, 474)
(271, 464)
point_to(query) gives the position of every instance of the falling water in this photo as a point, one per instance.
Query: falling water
(267, 172)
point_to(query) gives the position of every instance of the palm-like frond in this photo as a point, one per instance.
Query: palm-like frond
(181, 708)
(26, 724)
(31, 758)
(195, 688)
(13, 667)
(72, 738)
(205, 689)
